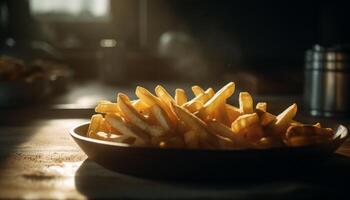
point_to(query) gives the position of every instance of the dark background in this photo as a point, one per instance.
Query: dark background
(264, 37)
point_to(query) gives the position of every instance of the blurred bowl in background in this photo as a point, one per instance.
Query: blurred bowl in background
(16, 93)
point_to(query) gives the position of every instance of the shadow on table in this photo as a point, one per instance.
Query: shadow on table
(326, 180)
(15, 133)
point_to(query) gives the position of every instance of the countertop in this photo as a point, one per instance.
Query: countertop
(39, 160)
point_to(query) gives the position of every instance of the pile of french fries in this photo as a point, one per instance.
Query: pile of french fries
(205, 121)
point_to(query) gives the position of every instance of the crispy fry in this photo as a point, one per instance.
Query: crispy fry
(210, 92)
(105, 126)
(197, 90)
(244, 121)
(308, 130)
(107, 107)
(201, 98)
(94, 124)
(232, 113)
(261, 106)
(190, 120)
(141, 107)
(220, 97)
(221, 115)
(266, 118)
(284, 119)
(247, 126)
(195, 124)
(245, 103)
(131, 114)
(180, 97)
(224, 131)
(164, 95)
(148, 98)
(161, 117)
(119, 124)
(193, 107)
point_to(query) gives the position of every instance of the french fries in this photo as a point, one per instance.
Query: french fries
(149, 99)
(94, 124)
(245, 103)
(195, 124)
(261, 106)
(284, 119)
(119, 124)
(205, 121)
(180, 97)
(164, 95)
(232, 113)
(209, 108)
(107, 107)
(224, 131)
(197, 90)
(131, 114)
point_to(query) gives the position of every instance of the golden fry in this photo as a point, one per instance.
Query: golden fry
(133, 116)
(180, 97)
(94, 124)
(194, 123)
(190, 120)
(197, 90)
(148, 98)
(219, 98)
(105, 126)
(244, 121)
(232, 113)
(201, 98)
(247, 126)
(308, 130)
(118, 123)
(193, 107)
(261, 106)
(245, 103)
(141, 107)
(224, 131)
(107, 107)
(161, 117)
(210, 92)
(265, 117)
(284, 119)
(164, 95)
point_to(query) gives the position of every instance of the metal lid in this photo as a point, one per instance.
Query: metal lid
(336, 57)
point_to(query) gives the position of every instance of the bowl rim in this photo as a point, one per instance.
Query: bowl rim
(337, 138)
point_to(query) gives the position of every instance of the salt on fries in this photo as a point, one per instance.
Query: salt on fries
(205, 121)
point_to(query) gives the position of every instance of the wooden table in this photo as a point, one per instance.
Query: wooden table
(39, 160)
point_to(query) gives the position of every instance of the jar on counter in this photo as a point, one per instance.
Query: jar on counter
(327, 81)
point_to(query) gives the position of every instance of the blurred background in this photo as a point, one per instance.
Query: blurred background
(86, 49)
